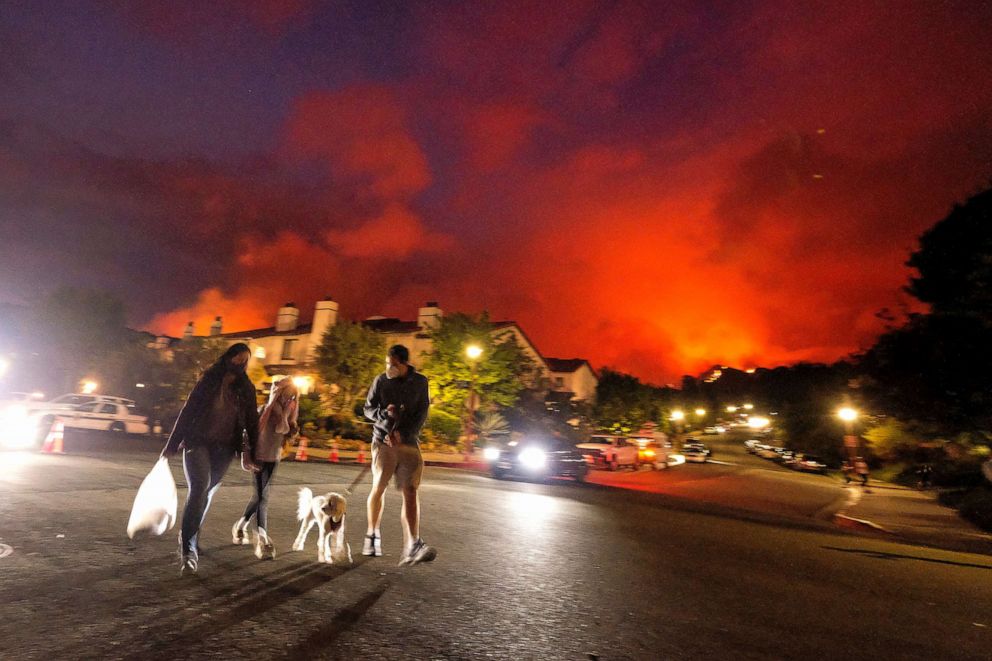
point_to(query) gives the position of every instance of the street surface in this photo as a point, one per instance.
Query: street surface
(556, 571)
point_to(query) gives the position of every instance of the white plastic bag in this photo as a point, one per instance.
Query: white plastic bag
(154, 509)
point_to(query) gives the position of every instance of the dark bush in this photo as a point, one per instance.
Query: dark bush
(976, 506)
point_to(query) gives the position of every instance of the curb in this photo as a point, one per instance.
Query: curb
(850, 522)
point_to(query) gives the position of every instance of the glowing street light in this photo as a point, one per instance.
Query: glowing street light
(758, 422)
(700, 412)
(89, 387)
(748, 407)
(847, 414)
(473, 351)
(303, 384)
(678, 415)
(731, 409)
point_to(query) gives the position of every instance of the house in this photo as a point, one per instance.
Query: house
(290, 347)
(575, 376)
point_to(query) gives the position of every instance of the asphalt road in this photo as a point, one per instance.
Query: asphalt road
(558, 571)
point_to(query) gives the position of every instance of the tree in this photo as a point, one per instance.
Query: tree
(934, 368)
(954, 261)
(348, 358)
(624, 404)
(498, 377)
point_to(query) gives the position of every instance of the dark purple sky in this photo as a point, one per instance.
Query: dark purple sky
(655, 186)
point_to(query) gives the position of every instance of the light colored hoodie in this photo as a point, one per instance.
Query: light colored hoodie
(277, 420)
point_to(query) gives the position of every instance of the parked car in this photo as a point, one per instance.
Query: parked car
(767, 452)
(751, 445)
(717, 429)
(537, 458)
(610, 452)
(102, 412)
(106, 415)
(809, 463)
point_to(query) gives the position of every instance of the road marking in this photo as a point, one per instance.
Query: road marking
(721, 463)
(5, 550)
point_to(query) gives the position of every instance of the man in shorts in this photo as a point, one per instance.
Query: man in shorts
(397, 404)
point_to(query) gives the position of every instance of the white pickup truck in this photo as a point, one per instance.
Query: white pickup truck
(610, 452)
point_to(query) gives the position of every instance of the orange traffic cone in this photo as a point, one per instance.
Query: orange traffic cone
(360, 459)
(334, 458)
(53, 442)
(301, 450)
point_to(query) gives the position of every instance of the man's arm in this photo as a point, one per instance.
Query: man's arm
(415, 419)
(374, 410)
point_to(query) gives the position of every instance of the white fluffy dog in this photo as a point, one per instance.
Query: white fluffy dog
(328, 513)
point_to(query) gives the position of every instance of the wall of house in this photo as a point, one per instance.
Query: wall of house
(582, 382)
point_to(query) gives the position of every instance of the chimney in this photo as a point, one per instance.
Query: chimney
(429, 316)
(288, 317)
(188, 331)
(215, 328)
(325, 315)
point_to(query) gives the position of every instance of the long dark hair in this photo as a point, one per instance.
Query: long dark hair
(214, 374)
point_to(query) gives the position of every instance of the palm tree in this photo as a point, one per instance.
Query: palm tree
(490, 425)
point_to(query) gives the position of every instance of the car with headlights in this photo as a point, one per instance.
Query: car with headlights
(695, 453)
(536, 458)
(612, 452)
(653, 454)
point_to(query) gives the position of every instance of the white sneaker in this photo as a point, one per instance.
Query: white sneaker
(264, 548)
(419, 552)
(239, 532)
(372, 545)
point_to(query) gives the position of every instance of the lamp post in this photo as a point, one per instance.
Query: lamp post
(678, 417)
(473, 352)
(848, 415)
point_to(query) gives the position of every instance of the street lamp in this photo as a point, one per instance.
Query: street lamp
(848, 415)
(757, 422)
(731, 409)
(473, 352)
(700, 412)
(748, 407)
(89, 387)
(678, 416)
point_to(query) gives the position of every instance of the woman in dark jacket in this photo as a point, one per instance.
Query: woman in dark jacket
(218, 414)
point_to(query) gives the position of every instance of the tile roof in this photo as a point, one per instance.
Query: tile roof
(566, 364)
(391, 325)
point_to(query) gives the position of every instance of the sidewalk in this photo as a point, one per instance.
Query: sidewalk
(440, 459)
(912, 516)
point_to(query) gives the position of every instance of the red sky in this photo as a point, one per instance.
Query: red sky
(653, 189)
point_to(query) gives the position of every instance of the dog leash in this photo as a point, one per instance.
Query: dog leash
(361, 475)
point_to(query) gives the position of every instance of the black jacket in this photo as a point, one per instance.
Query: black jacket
(188, 432)
(412, 399)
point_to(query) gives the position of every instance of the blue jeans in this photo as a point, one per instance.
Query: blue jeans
(259, 504)
(204, 466)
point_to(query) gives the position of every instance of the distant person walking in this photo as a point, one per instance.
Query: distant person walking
(219, 419)
(861, 468)
(847, 469)
(397, 404)
(277, 423)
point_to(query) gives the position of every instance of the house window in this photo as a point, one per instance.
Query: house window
(560, 381)
(288, 347)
